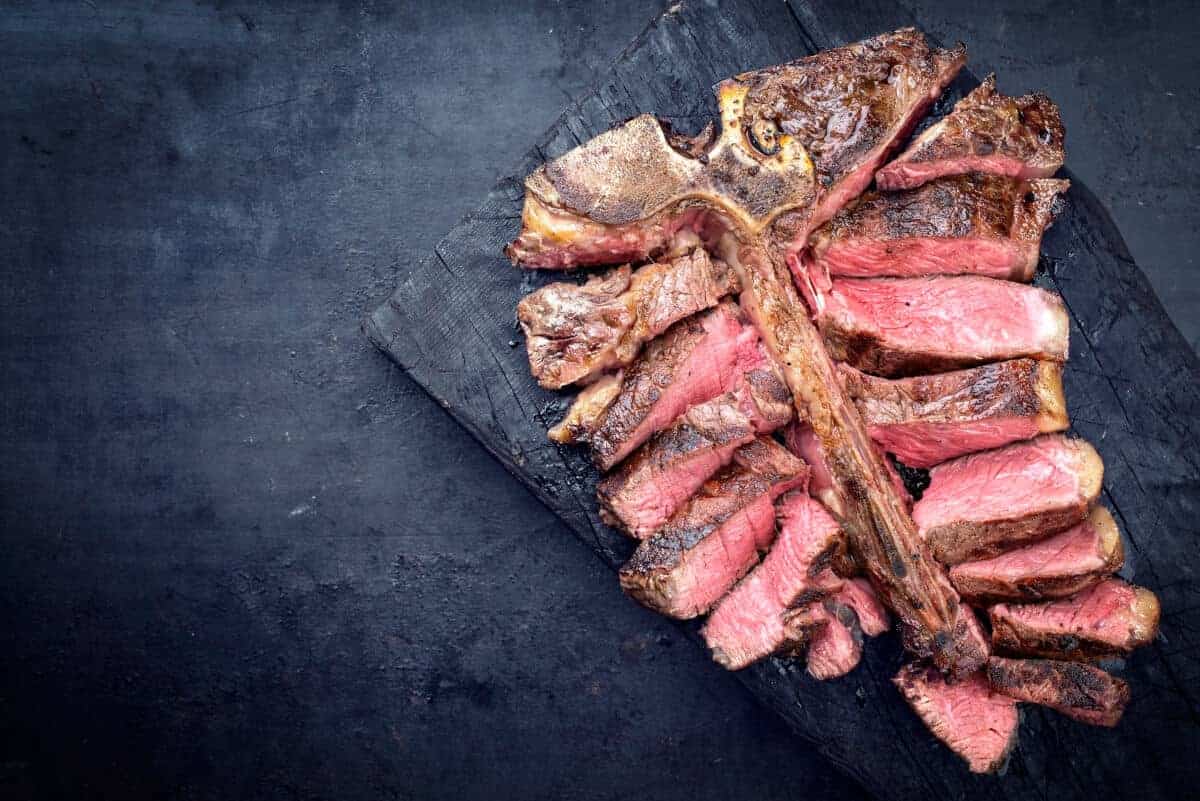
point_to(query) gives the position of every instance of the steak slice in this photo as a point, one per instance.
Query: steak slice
(836, 647)
(977, 724)
(926, 420)
(748, 623)
(1109, 619)
(980, 505)
(800, 138)
(696, 360)
(903, 326)
(871, 510)
(647, 488)
(587, 410)
(1052, 568)
(858, 594)
(1021, 137)
(962, 225)
(1076, 690)
(716, 537)
(574, 332)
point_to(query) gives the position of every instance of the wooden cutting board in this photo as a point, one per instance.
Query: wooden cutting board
(1133, 386)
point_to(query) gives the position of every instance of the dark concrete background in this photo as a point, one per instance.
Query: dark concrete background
(213, 584)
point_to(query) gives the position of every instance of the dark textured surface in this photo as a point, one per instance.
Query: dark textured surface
(1132, 386)
(244, 556)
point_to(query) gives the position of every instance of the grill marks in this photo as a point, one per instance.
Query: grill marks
(1083, 692)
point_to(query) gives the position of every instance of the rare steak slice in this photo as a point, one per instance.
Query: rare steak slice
(650, 485)
(904, 326)
(976, 723)
(1056, 567)
(716, 537)
(697, 359)
(1021, 137)
(1077, 690)
(800, 139)
(1109, 619)
(574, 332)
(962, 225)
(980, 505)
(929, 419)
(836, 647)
(748, 624)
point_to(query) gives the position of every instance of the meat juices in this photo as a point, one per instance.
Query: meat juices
(980, 505)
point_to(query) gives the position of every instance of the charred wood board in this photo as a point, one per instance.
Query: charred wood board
(1132, 382)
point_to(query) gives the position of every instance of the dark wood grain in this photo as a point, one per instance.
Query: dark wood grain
(1131, 383)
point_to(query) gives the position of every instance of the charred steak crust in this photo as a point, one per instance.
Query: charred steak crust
(798, 138)
(1056, 567)
(986, 132)
(1111, 618)
(968, 224)
(1080, 691)
(926, 420)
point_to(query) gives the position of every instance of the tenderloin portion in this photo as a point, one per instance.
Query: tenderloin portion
(963, 225)
(800, 138)
(980, 505)
(697, 359)
(1052, 568)
(902, 326)
(748, 624)
(647, 488)
(977, 724)
(1079, 691)
(926, 420)
(1110, 619)
(574, 332)
(1020, 137)
(716, 537)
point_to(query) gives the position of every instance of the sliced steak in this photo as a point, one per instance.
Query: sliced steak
(574, 332)
(1056, 567)
(1021, 137)
(859, 595)
(836, 647)
(872, 511)
(642, 494)
(716, 537)
(696, 360)
(587, 410)
(963, 225)
(1079, 691)
(798, 139)
(1109, 619)
(903, 326)
(977, 724)
(748, 624)
(926, 420)
(980, 505)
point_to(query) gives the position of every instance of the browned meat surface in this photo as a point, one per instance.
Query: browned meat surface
(1109, 619)
(981, 505)
(905, 326)
(1021, 137)
(962, 225)
(871, 511)
(1079, 691)
(801, 139)
(697, 359)
(588, 410)
(977, 724)
(748, 624)
(717, 536)
(574, 332)
(929, 419)
(647, 488)
(1055, 567)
